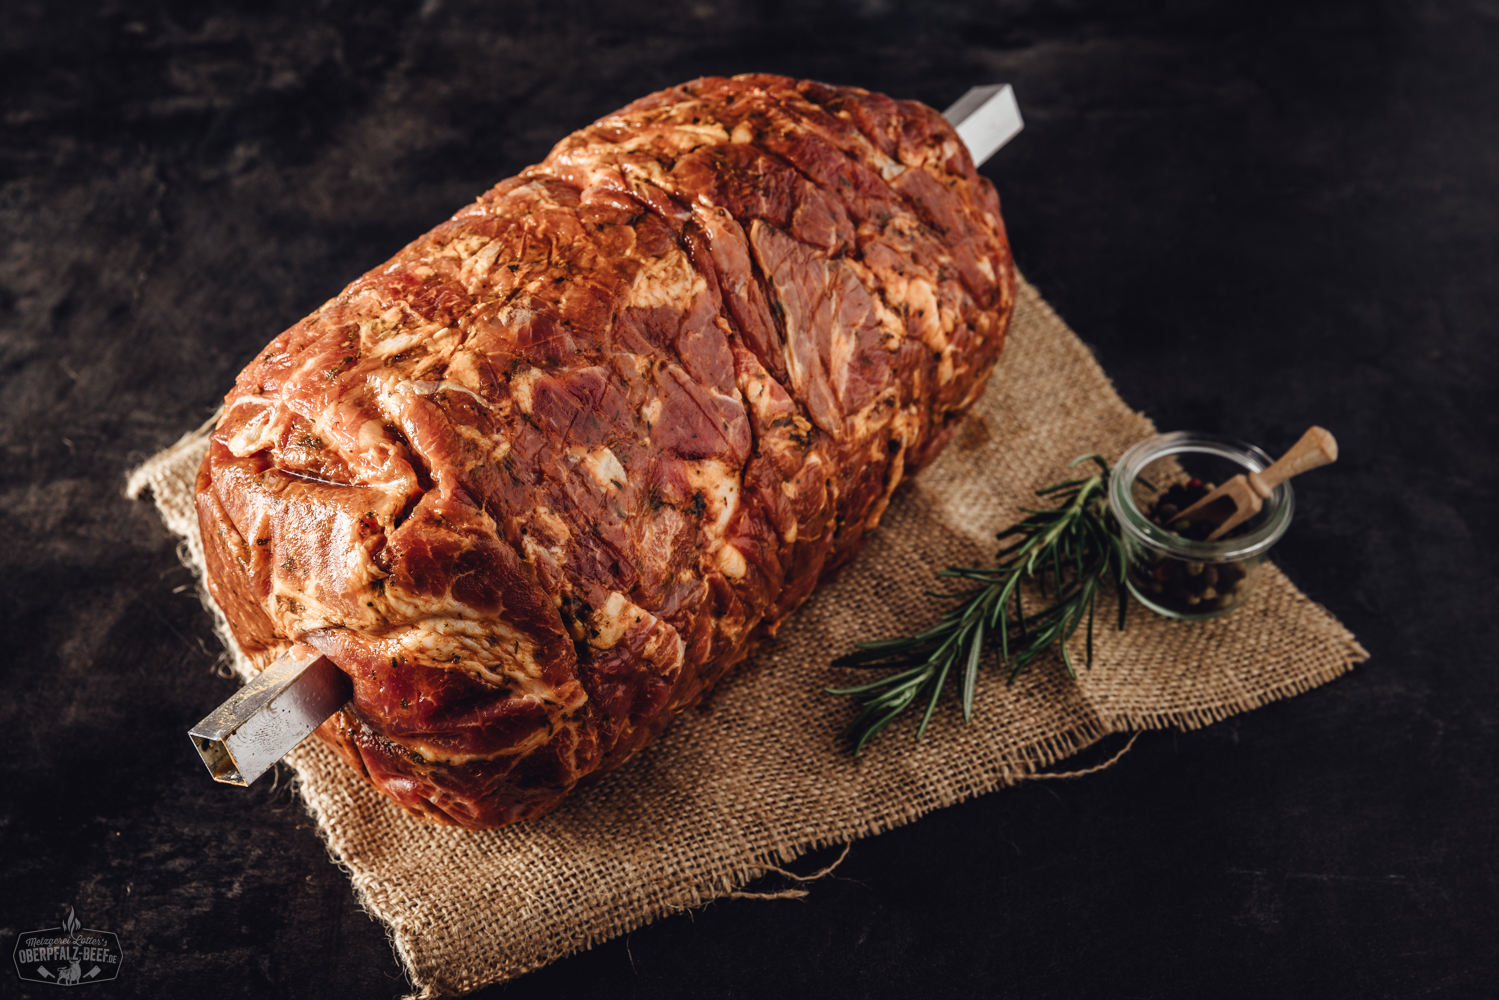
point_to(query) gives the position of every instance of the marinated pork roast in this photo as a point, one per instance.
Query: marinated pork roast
(540, 480)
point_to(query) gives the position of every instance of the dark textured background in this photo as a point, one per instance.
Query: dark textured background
(1261, 216)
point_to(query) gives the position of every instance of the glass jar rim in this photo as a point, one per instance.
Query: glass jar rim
(1132, 520)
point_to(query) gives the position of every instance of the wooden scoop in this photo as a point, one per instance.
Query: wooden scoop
(1248, 492)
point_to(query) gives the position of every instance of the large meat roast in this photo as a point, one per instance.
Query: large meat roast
(536, 483)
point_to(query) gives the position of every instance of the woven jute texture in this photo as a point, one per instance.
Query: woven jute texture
(757, 776)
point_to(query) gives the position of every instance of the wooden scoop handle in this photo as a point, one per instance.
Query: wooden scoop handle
(1316, 448)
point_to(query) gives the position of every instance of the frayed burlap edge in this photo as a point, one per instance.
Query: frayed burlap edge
(756, 778)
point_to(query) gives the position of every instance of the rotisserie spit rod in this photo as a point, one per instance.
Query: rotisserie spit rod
(264, 720)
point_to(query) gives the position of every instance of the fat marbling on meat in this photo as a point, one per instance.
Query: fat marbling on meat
(536, 483)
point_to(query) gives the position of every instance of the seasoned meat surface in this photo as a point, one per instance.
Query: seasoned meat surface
(536, 483)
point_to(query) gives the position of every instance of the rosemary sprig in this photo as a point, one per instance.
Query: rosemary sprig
(1070, 552)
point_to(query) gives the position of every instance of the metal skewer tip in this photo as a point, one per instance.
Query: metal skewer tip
(986, 118)
(264, 720)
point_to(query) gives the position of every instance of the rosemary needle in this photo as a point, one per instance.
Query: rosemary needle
(1069, 551)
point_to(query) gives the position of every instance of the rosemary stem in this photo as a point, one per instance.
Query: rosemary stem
(1065, 553)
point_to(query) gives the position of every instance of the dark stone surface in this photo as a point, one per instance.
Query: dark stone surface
(1261, 216)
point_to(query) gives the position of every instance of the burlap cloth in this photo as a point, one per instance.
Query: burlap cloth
(757, 776)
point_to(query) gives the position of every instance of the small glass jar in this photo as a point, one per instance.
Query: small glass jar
(1176, 576)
